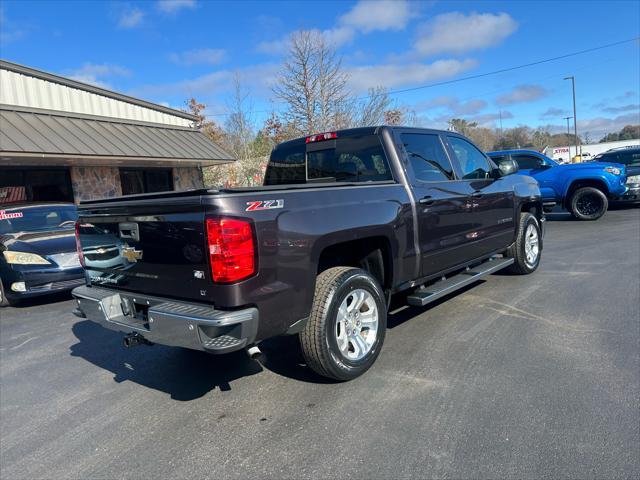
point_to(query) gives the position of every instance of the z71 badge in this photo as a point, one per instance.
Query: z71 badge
(264, 205)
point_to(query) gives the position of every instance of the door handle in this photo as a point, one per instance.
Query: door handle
(426, 200)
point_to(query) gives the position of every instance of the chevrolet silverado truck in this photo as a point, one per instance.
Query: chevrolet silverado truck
(344, 220)
(584, 189)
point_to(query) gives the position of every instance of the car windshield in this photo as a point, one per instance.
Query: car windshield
(33, 218)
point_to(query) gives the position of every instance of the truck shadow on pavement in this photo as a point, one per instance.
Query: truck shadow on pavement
(187, 374)
(183, 374)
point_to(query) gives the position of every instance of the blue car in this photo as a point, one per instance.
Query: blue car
(584, 189)
(38, 252)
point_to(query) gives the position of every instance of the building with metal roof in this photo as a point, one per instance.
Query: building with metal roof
(65, 140)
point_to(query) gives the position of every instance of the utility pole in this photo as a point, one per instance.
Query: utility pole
(567, 119)
(575, 121)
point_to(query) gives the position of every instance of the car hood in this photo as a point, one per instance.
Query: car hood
(589, 166)
(42, 243)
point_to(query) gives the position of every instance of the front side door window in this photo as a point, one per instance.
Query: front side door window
(427, 157)
(492, 201)
(473, 163)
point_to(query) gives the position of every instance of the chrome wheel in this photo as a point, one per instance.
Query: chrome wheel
(531, 245)
(357, 324)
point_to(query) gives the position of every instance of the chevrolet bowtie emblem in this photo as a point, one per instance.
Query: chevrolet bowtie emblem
(131, 254)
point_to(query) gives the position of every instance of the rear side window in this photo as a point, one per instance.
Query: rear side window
(527, 162)
(286, 166)
(427, 157)
(348, 159)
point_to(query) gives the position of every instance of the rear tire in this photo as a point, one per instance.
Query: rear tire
(588, 203)
(347, 325)
(527, 249)
(4, 301)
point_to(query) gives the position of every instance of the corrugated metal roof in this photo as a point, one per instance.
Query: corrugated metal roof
(29, 87)
(59, 134)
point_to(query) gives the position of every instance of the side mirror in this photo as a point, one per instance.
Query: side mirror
(507, 167)
(544, 166)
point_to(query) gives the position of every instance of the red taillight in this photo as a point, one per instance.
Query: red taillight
(231, 249)
(321, 136)
(78, 246)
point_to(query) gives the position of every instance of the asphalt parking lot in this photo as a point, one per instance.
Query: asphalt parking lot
(523, 377)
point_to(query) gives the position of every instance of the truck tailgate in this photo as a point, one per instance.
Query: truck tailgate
(149, 246)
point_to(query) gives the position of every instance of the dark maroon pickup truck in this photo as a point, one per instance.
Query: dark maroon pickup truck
(345, 220)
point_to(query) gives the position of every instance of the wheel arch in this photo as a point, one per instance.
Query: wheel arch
(373, 254)
(585, 182)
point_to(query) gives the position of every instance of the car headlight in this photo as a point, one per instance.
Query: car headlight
(24, 258)
(614, 170)
(633, 179)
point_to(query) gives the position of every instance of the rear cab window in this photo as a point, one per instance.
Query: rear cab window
(353, 158)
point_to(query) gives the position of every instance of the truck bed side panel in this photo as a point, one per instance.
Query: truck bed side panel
(291, 240)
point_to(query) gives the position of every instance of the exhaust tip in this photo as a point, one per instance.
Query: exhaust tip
(134, 339)
(254, 352)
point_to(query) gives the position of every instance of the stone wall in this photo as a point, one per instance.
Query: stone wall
(187, 178)
(91, 183)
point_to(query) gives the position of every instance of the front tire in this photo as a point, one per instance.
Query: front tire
(347, 325)
(527, 248)
(588, 203)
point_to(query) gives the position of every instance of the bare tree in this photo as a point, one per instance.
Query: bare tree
(239, 123)
(371, 110)
(462, 126)
(312, 84)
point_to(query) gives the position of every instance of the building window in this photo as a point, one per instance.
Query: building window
(139, 180)
(40, 184)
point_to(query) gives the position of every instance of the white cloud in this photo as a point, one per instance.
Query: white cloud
(130, 18)
(368, 16)
(173, 6)
(522, 94)
(336, 37)
(93, 73)
(395, 75)
(453, 105)
(631, 107)
(553, 112)
(207, 56)
(601, 125)
(458, 33)
(256, 78)
(490, 119)
(598, 127)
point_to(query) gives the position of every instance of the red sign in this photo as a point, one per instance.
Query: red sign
(7, 216)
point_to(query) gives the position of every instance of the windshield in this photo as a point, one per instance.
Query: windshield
(37, 218)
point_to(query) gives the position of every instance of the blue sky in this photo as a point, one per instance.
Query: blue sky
(169, 50)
